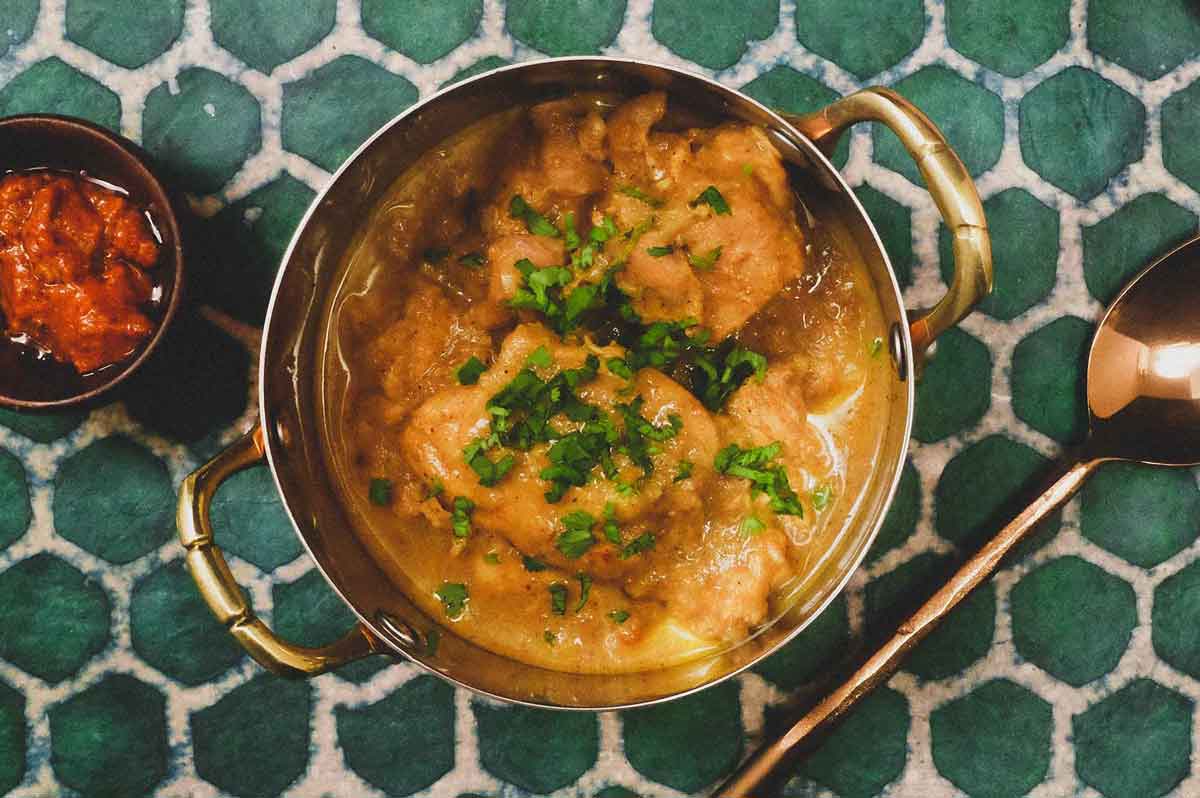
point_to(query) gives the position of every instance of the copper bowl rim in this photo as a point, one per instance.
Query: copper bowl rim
(137, 160)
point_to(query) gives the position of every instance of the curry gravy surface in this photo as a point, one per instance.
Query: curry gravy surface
(714, 496)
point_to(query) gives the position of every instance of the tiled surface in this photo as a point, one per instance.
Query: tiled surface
(1073, 673)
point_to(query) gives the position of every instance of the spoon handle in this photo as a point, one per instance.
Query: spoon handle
(759, 770)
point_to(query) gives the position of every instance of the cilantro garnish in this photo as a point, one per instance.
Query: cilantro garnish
(540, 358)
(535, 223)
(619, 616)
(618, 367)
(468, 373)
(550, 637)
(585, 589)
(460, 516)
(472, 260)
(577, 536)
(490, 472)
(570, 234)
(436, 254)
(658, 252)
(722, 370)
(532, 564)
(755, 466)
(380, 491)
(639, 432)
(706, 261)
(491, 558)
(752, 526)
(711, 197)
(454, 598)
(875, 348)
(638, 194)
(643, 542)
(747, 169)
(558, 598)
(612, 532)
(821, 497)
(435, 489)
(683, 470)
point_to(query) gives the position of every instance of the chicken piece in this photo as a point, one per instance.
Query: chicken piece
(504, 279)
(516, 508)
(418, 353)
(740, 258)
(564, 168)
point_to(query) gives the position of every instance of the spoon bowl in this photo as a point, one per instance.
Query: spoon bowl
(1143, 395)
(1143, 385)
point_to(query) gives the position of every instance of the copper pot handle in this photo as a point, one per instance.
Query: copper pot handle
(222, 592)
(949, 183)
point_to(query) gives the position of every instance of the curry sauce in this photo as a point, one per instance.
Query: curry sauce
(598, 389)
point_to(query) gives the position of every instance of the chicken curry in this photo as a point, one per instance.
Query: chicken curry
(599, 390)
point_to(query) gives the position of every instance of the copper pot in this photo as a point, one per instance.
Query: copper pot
(287, 434)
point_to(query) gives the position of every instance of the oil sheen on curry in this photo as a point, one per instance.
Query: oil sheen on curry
(599, 390)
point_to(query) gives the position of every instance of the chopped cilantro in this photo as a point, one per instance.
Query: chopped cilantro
(875, 347)
(380, 491)
(638, 194)
(454, 598)
(540, 358)
(577, 536)
(612, 532)
(535, 223)
(585, 589)
(491, 558)
(747, 169)
(604, 231)
(752, 526)
(619, 616)
(625, 488)
(722, 370)
(491, 472)
(706, 261)
(570, 234)
(821, 497)
(619, 367)
(434, 490)
(658, 252)
(460, 517)
(468, 373)
(472, 260)
(550, 637)
(639, 432)
(683, 470)
(436, 254)
(711, 197)
(643, 542)
(532, 564)
(558, 598)
(755, 465)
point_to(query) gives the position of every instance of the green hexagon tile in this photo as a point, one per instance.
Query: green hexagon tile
(1075, 672)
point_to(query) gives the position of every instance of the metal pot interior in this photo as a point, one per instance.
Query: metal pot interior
(290, 381)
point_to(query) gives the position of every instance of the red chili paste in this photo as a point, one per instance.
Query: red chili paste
(73, 268)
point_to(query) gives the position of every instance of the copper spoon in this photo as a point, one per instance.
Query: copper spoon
(1143, 395)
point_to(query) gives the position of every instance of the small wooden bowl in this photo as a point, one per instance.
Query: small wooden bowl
(72, 145)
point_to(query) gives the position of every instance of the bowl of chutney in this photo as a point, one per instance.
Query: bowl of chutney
(91, 262)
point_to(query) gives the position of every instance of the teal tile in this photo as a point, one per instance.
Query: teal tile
(1012, 37)
(479, 67)
(1072, 619)
(252, 29)
(515, 748)
(114, 498)
(1048, 373)
(1135, 743)
(893, 222)
(686, 744)
(867, 751)
(249, 521)
(66, 626)
(863, 37)
(1151, 37)
(813, 652)
(1180, 130)
(17, 19)
(784, 89)
(421, 30)
(578, 27)
(15, 509)
(994, 742)
(53, 86)
(42, 427)
(1079, 130)
(13, 731)
(254, 742)
(1121, 245)
(956, 388)
(105, 28)
(404, 742)
(1142, 514)
(1176, 620)
(902, 516)
(110, 739)
(704, 32)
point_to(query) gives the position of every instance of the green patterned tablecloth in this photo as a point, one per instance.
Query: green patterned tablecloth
(1073, 673)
